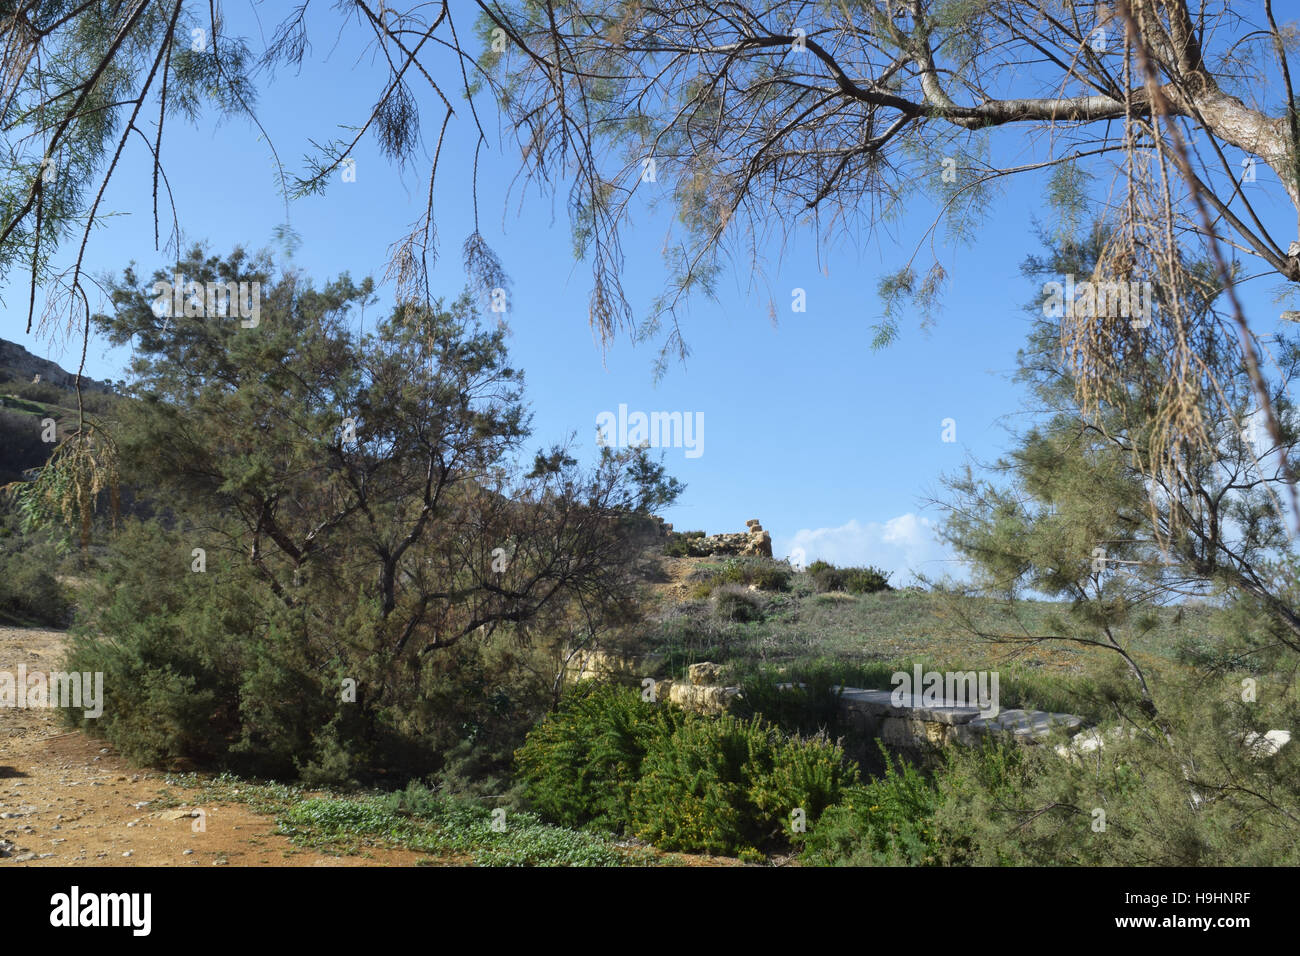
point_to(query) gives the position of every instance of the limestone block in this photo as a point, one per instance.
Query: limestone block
(1268, 744)
(1021, 725)
(705, 672)
(702, 700)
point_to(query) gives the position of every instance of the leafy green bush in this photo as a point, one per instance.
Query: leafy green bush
(206, 666)
(887, 822)
(826, 577)
(676, 547)
(579, 765)
(678, 543)
(608, 759)
(731, 786)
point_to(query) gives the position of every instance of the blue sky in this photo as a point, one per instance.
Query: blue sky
(834, 446)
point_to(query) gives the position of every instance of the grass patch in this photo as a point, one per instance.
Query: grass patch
(416, 819)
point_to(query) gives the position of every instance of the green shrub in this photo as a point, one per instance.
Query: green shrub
(678, 543)
(29, 593)
(683, 782)
(826, 577)
(212, 668)
(731, 786)
(887, 822)
(736, 604)
(579, 765)
(763, 573)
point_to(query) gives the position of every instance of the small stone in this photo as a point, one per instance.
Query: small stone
(128, 853)
(187, 853)
(704, 673)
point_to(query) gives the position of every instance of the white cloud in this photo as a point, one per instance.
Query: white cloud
(903, 545)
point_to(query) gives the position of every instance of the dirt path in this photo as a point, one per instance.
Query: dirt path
(67, 800)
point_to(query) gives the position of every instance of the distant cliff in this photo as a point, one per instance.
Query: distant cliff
(19, 365)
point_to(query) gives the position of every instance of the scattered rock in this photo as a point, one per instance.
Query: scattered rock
(1266, 745)
(701, 699)
(178, 814)
(704, 673)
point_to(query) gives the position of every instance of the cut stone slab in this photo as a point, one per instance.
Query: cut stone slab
(880, 703)
(704, 673)
(1023, 724)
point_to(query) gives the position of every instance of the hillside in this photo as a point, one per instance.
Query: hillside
(33, 389)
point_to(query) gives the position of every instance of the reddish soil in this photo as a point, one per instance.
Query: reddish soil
(71, 801)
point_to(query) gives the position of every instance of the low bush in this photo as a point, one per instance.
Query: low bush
(678, 544)
(737, 604)
(763, 573)
(579, 765)
(733, 786)
(29, 592)
(826, 577)
(886, 822)
(609, 760)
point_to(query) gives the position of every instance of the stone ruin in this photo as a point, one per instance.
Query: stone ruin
(752, 542)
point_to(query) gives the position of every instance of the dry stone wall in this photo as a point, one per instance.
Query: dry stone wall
(752, 542)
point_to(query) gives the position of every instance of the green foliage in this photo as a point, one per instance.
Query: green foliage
(804, 702)
(763, 573)
(1182, 789)
(579, 765)
(422, 820)
(609, 760)
(1069, 513)
(826, 577)
(887, 822)
(676, 546)
(731, 602)
(29, 591)
(730, 786)
(352, 620)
